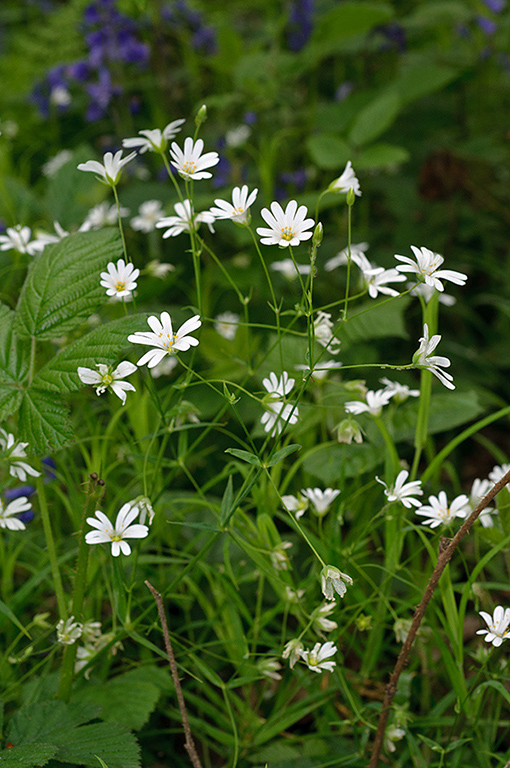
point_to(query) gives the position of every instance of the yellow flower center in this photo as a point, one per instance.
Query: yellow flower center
(189, 167)
(169, 342)
(115, 537)
(120, 286)
(287, 233)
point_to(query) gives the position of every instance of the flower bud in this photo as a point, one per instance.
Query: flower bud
(347, 431)
(317, 235)
(201, 116)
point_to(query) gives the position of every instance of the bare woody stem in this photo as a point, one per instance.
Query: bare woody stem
(444, 557)
(190, 745)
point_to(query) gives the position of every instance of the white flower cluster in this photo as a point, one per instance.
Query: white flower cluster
(278, 412)
(321, 501)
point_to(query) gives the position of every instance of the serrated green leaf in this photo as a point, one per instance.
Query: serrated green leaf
(102, 345)
(43, 421)
(283, 453)
(27, 755)
(14, 363)
(36, 722)
(375, 118)
(244, 455)
(124, 700)
(63, 284)
(328, 151)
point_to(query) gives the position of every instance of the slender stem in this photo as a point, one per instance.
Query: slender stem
(50, 545)
(348, 279)
(443, 559)
(67, 670)
(189, 745)
(121, 228)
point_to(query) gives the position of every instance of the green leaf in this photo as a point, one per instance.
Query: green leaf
(27, 755)
(447, 411)
(70, 193)
(375, 118)
(328, 151)
(226, 502)
(381, 156)
(62, 726)
(245, 456)
(14, 364)
(43, 421)
(421, 77)
(10, 615)
(102, 345)
(124, 700)
(282, 454)
(332, 462)
(344, 21)
(375, 320)
(63, 284)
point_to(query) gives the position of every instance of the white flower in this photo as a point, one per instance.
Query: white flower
(348, 180)
(427, 291)
(160, 269)
(109, 170)
(238, 210)
(279, 386)
(376, 279)
(393, 734)
(320, 618)
(145, 507)
(102, 215)
(401, 629)
(269, 668)
(347, 431)
(426, 268)
(190, 163)
(15, 451)
(292, 651)
(18, 238)
(226, 325)
(321, 500)
(399, 392)
(374, 403)
(438, 512)
(236, 137)
(279, 558)
(165, 367)
(43, 239)
(120, 279)
(402, 491)
(290, 270)
(106, 378)
(149, 213)
(333, 580)
(60, 96)
(357, 257)
(498, 472)
(278, 413)
(316, 659)
(321, 370)
(69, 631)
(478, 490)
(165, 341)
(54, 164)
(186, 220)
(422, 358)
(296, 504)
(293, 595)
(287, 227)
(154, 140)
(117, 535)
(498, 625)
(323, 326)
(15, 507)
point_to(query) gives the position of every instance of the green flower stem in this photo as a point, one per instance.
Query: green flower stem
(121, 228)
(429, 313)
(324, 192)
(276, 309)
(172, 177)
(67, 670)
(348, 279)
(194, 251)
(392, 463)
(50, 545)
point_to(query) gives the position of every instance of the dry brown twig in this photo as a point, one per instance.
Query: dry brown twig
(445, 554)
(189, 744)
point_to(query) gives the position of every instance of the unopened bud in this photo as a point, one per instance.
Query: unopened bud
(201, 116)
(317, 235)
(351, 197)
